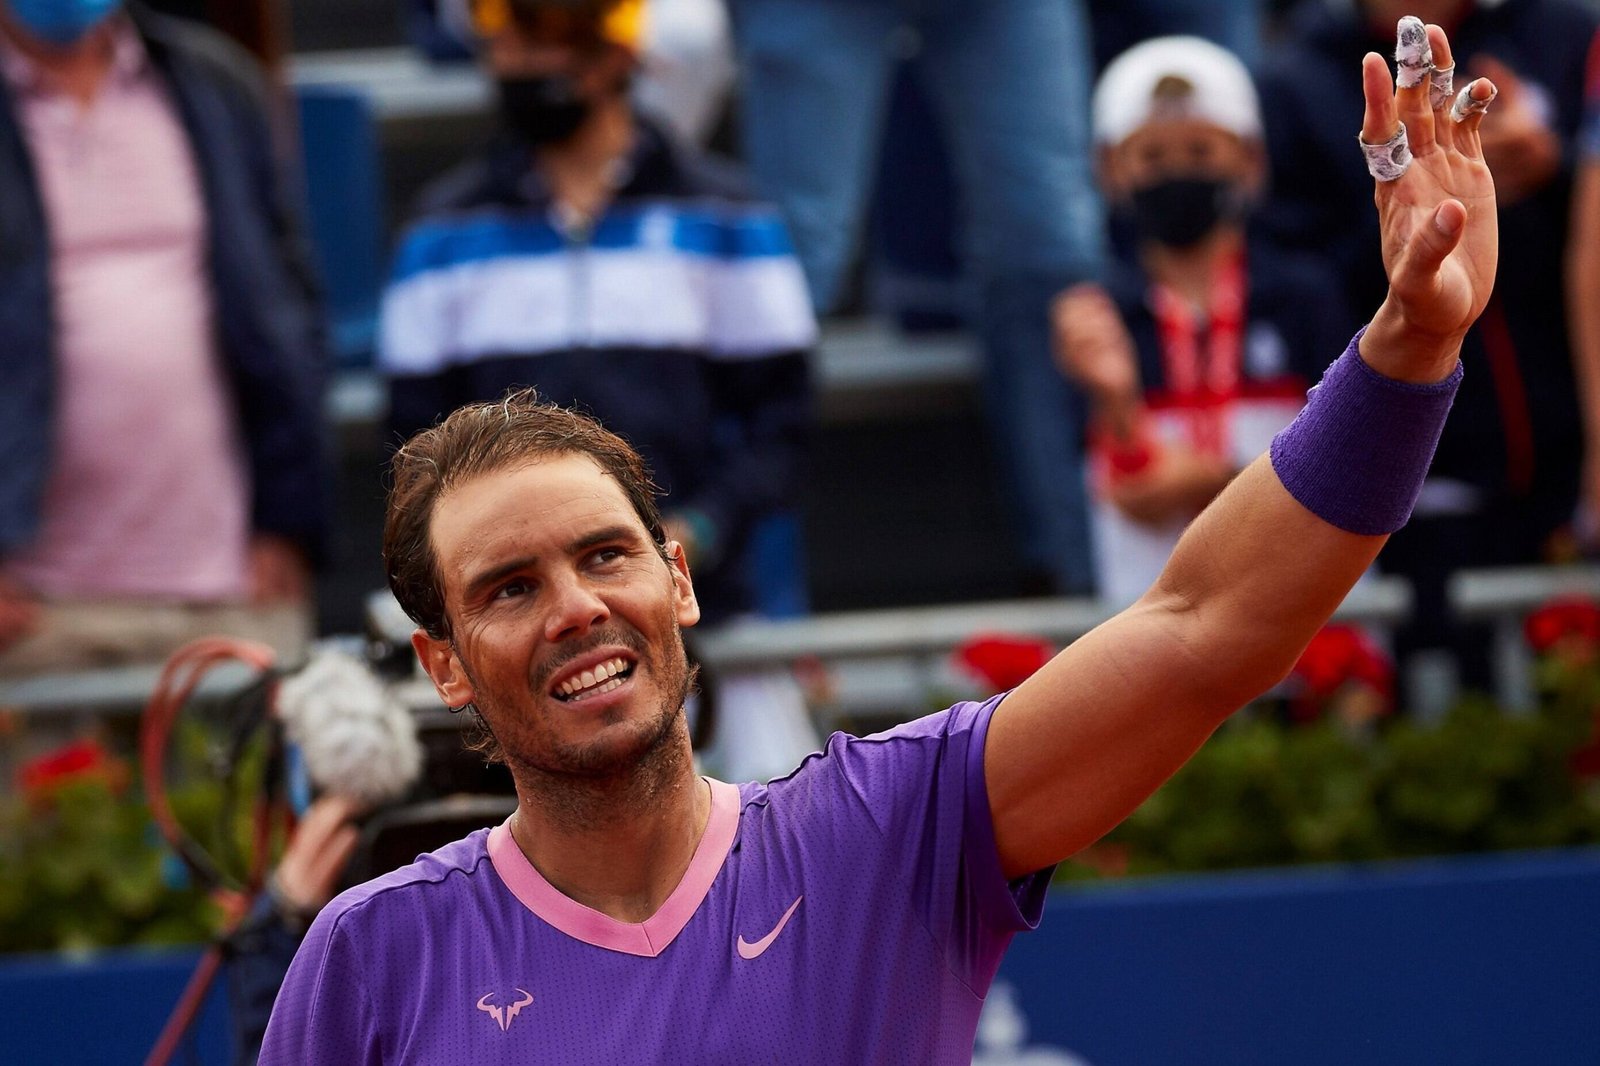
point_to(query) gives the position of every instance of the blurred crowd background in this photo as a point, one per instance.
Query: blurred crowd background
(908, 303)
(1062, 299)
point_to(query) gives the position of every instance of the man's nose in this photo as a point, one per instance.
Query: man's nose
(576, 607)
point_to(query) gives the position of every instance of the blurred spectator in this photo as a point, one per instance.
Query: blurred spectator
(913, 270)
(1583, 298)
(1505, 477)
(160, 422)
(685, 70)
(1009, 81)
(592, 255)
(1209, 339)
(308, 875)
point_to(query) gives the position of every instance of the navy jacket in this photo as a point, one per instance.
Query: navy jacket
(1296, 320)
(267, 306)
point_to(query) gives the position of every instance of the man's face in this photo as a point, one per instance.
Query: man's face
(1166, 149)
(564, 615)
(554, 43)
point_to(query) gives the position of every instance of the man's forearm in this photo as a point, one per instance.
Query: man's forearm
(1272, 558)
(1252, 580)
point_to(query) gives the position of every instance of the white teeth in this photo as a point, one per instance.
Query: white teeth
(601, 678)
(610, 684)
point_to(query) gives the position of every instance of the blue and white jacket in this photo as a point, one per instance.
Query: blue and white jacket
(680, 319)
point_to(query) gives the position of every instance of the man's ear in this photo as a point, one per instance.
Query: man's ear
(687, 606)
(439, 659)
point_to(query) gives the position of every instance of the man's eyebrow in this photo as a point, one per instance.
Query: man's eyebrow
(602, 536)
(496, 574)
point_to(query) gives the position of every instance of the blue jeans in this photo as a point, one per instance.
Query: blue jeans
(1010, 84)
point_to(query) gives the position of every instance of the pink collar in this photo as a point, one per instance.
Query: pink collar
(649, 937)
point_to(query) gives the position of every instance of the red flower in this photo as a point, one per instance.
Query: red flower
(1003, 661)
(1339, 656)
(1564, 620)
(81, 759)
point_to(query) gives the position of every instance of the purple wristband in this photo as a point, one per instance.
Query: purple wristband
(1356, 455)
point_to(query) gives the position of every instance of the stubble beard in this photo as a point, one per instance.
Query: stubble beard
(587, 786)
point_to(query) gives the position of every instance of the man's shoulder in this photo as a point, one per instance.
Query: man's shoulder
(434, 879)
(848, 762)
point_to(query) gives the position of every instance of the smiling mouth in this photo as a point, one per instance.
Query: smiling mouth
(597, 681)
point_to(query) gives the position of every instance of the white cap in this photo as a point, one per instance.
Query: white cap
(1177, 77)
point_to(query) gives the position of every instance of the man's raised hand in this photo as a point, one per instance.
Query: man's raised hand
(1440, 231)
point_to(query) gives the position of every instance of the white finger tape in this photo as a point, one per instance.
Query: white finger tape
(1442, 87)
(1389, 160)
(1467, 105)
(1412, 54)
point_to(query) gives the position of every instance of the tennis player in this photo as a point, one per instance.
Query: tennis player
(856, 910)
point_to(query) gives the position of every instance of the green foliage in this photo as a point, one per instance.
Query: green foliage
(1262, 793)
(84, 870)
(83, 867)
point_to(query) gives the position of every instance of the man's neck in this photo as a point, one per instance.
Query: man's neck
(76, 70)
(616, 845)
(1190, 272)
(582, 172)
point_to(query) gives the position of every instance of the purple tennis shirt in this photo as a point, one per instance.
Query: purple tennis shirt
(854, 911)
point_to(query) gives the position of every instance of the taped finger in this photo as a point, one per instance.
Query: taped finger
(1389, 160)
(1467, 104)
(1442, 87)
(1413, 55)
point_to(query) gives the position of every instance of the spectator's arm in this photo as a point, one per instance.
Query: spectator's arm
(1520, 145)
(260, 952)
(1093, 349)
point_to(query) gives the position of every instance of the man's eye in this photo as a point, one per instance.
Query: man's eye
(607, 555)
(512, 588)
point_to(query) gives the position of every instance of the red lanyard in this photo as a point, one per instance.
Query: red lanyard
(1204, 389)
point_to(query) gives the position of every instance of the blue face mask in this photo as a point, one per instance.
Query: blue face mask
(60, 22)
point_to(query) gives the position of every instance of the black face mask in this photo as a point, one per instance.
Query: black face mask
(1181, 212)
(547, 109)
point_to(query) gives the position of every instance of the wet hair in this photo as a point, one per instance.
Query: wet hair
(481, 439)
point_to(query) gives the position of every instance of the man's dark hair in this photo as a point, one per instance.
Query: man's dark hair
(481, 439)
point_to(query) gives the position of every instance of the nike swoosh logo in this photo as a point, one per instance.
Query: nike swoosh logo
(748, 950)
